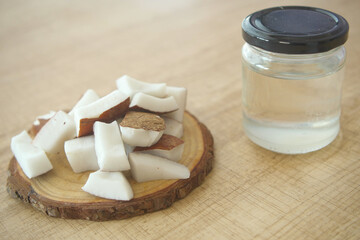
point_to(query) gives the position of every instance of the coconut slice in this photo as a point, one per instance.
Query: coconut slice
(131, 86)
(89, 96)
(140, 137)
(81, 155)
(55, 132)
(173, 127)
(145, 102)
(32, 160)
(43, 118)
(168, 146)
(40, 121)
(109, 147)
(111, 185)
(147, 167)
(141, 129)
(106, 109)
(179, 93)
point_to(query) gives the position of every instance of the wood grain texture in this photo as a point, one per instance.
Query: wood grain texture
(52, 51)
(58, 193)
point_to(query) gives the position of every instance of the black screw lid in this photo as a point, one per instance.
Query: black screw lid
(295, 30)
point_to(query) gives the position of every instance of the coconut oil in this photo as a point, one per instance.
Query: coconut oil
(292, 103)
(291, 115)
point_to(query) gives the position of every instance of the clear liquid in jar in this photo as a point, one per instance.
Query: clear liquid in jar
(291, 115)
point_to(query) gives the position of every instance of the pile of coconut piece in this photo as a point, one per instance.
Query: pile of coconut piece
(137, 127)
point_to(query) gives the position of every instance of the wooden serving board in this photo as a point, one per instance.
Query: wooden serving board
(58, 193)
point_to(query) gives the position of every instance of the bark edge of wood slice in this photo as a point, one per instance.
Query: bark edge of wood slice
(59, 195)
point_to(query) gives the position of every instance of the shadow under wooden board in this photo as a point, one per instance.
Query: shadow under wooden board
(58, 193)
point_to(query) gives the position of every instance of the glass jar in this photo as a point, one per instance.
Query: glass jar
(292, 76)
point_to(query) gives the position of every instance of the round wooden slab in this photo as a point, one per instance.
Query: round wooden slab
(58, 193)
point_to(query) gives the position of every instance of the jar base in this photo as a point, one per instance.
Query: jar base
(291, 139)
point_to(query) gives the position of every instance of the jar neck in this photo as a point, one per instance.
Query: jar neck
(293, 66)
(300, 57)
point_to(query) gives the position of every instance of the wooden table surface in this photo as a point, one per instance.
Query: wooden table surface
(52, 51)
